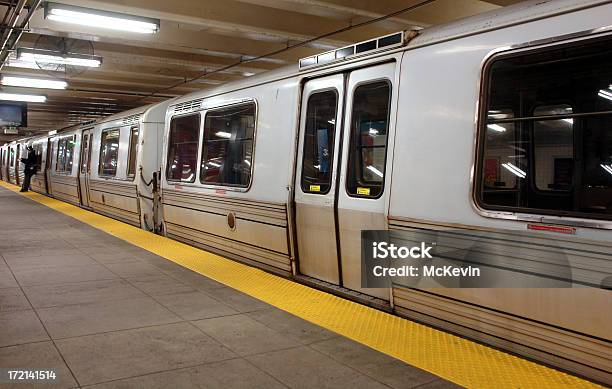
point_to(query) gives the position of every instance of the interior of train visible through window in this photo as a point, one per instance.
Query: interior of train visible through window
(547, 144)
(227, 147)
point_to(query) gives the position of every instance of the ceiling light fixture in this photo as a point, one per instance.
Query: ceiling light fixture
(496, 127)
(50, 56)
(23, 97)
(102, 19)
(29, 82)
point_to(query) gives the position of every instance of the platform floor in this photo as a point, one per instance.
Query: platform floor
(108, 314)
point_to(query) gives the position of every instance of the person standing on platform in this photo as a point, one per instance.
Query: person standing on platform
(30, 168)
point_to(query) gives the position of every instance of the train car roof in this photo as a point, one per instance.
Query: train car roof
(481, 23)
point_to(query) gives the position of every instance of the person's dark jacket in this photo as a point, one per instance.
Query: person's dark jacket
(30, 162)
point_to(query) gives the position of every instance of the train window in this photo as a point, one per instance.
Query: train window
(60, 160)
(183, 148)
(368, 140)
(552, 154)
(38, 153)
(227, 150)
(69, 154)
(131, 172)
(319, 135)
(109, 152)
(84, 147)
(12, 157)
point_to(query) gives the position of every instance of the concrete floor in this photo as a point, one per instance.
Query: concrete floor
(107, 314)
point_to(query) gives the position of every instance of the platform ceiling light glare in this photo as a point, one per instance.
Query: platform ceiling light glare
(102, 19)
(50, 56)
(29, 82)
(606, 94)
(23, 97)
(514, 170)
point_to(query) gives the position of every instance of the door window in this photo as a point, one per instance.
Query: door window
(183, 148)
(368, 140)
(319, 135)
(132, 153)
(109, 152)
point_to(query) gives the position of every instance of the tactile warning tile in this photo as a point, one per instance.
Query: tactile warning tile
(453, 358)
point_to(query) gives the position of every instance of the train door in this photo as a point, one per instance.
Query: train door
(315, 186)
(84, 167)
(340, 178)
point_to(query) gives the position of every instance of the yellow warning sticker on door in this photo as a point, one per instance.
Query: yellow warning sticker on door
(363, 191)
(315, 188)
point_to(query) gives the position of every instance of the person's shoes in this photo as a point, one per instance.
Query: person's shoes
(23, 190)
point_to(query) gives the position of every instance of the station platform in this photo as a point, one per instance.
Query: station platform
(110, 306)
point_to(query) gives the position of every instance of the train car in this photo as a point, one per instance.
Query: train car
(123, 177)
(491, 133)
(481, 129)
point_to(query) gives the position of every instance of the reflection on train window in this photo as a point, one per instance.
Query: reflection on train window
(553, 144)
(65, 154)
(84, 148)
(368, 142)
(131, 172)
(38, 151)
(546, 144)
(109, 152)
(319, 135)
(12, 157)
(183, 148)
(60, 161)
(227, 149)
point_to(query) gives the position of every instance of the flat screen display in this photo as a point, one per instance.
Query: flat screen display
(13, 115)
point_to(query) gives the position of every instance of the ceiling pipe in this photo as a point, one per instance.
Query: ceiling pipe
(13, 34)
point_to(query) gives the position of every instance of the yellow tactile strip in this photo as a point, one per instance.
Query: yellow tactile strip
(456, 359)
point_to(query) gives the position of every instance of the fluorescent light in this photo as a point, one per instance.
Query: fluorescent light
(247, 162)
(605, 94)
(373, 131)
(214, 164)
(102, 19)
(496, 127)
(223, 134)
(33, 82)
(514, 170)
(570, 121)
(375, 171)
(52, 132)
(48, 56)
(22, 97)
(607, 168)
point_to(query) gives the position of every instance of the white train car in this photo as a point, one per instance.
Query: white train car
(15, 151)
(494, 124)
(478, 131)
(123, 171)
(39, 182)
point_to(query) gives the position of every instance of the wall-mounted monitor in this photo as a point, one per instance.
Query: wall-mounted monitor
(13, 114)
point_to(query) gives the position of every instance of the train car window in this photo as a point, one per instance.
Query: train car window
(38, 153)
(12, 157)
(61, 155)
(183, 148)
(133, 151)
(556, 145)
(69, 154)
(368, 141)
(227, 150)
(319, 135)
(109, 152)
(84, 159)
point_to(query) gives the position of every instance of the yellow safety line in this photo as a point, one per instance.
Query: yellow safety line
(453, 358)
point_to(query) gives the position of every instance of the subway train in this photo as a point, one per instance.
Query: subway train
(485, 128)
